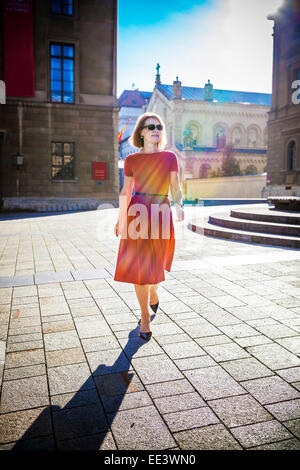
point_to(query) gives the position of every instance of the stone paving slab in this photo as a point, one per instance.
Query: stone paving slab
(91, 274)
(54, 277)
(13, 281)
(141, 429)
(179, 403)
(270, 390)
(246, 369)
(285, 410)
(213, 437)
(36, 422)
(239, 411)
(261, 433)
(189, 419)
(274, 356)
(213, 382)
(78, 422)
(46, 278)
(20, 394)
(221, 372)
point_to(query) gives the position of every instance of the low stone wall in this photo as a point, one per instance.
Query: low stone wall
(245, 186)
(56, 204)
(282, 190)
(288, 203)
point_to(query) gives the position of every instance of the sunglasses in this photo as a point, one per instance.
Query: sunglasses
(151, 127)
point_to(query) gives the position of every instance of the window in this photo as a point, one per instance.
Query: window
(62, 160)
(252, 135)
(62, 7)
(62, 73)
(236, 136)
(220, 139)
(291, 156)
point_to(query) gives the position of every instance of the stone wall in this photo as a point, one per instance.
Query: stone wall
(91, 123)
(284, 116)
(56, 204)
(250, 186)
(91, 129)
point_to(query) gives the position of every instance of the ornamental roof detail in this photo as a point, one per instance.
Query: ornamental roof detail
(219, 96)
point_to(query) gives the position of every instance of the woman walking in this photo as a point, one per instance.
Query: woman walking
(145, 221)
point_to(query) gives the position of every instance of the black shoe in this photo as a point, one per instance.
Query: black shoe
(146, 336)
(154, 307)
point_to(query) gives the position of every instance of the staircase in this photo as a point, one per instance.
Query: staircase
(263, 225)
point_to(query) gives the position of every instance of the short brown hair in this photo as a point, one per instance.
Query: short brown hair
(135, 138)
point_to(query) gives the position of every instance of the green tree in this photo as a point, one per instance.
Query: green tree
(230, 165)
(250, 170)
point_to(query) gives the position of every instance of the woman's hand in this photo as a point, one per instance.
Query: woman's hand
(179, 213)
(118, 229)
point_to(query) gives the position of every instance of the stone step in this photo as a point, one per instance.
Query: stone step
(267, 215)
(225, 220)
(207, 229)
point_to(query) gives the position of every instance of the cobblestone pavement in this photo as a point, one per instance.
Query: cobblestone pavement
(222, 370)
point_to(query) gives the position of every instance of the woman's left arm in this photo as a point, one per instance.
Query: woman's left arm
(176, 195)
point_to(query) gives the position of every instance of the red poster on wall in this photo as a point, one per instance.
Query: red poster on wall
(99, 170)
(18, 47)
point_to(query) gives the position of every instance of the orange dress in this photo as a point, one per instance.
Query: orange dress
(147, 244)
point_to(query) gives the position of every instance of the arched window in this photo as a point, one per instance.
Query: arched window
(236, 136)
(219, 134)
(204, 169)
(291, 156)
(252, 137)
(192, 134)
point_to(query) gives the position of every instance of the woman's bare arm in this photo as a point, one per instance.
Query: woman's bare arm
(124, 199)
(175, 188)
(176, 194)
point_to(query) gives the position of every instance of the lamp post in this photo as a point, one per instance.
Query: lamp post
(18, 160)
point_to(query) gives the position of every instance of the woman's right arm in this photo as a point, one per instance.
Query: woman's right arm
(124, 199)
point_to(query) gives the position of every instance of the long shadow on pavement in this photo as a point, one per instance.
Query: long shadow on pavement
(82, 424)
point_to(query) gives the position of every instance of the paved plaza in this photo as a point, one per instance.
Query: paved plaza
(221, 372)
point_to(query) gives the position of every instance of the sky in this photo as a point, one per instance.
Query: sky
(227, 41)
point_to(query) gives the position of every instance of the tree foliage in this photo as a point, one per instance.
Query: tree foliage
(230, 165)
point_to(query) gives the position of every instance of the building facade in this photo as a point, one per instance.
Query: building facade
(61, 110)
(132, 104)
(202, 122)
(283, 159)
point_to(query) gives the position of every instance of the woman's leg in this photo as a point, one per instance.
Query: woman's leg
(142, 293)
(153, 293)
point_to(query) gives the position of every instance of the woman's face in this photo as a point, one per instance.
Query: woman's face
(151, 137)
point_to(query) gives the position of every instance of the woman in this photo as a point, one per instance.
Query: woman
(145, 219)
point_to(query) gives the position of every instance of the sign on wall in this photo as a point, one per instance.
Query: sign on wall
(18, 47)
(99, 170)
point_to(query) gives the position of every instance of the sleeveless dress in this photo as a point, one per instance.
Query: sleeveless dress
(147, 244)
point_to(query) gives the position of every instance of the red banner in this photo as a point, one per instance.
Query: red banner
(18, 47)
